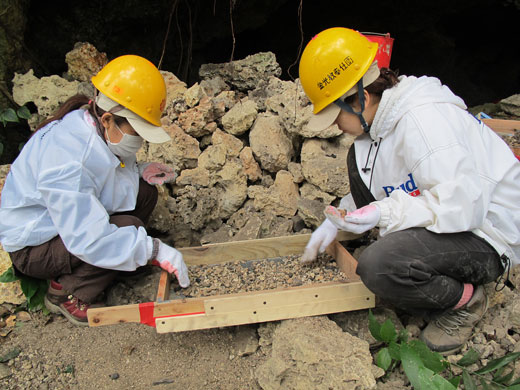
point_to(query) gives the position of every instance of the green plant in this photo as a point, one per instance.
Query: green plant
(10, 115)
(430, 370)
(33, 289)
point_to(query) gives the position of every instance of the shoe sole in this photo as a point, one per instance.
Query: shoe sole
(58, 310)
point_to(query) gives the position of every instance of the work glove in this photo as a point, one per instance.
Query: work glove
(357, 221)
(170, 260)
(156, 173)
(319, 241)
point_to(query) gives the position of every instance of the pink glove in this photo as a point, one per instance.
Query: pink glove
(357, 221)
(170, 260)
(157, 173)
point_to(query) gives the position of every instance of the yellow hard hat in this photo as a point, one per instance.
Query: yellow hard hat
(332, 63)
(136, 84)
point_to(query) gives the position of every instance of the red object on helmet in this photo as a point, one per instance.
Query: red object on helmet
(385, 45)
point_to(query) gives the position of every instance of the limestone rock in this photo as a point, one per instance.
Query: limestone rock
(281, 198)
(181, 152)
(245, 341)
(84, 61)
(304, 357)
(311, 211)
(193, 95)
(324, 163)
(4, 170)
(199, 120)
(232, 144)
(244, 74)
(47, 93)
(310, 191)
(271, 146)
(251, 167)
(175, 88)
(239, 119)
(214, 86)
(9, 292)
(511, 105)
(296, 171)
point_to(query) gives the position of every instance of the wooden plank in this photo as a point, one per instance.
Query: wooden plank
(345, 261)
(163, 291)
(323, 304)
(504, 126)
(263, 248)
(112, 315)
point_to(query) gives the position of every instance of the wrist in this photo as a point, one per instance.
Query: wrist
(153, 248)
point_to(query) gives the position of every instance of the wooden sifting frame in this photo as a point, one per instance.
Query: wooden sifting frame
(184, 314)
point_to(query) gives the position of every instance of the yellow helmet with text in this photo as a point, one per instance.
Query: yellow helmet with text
(332, 63)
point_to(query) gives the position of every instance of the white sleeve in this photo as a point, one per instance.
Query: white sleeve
(83, 223)
(454, 197)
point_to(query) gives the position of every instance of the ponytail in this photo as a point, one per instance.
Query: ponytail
(71, 104)
(386, 80)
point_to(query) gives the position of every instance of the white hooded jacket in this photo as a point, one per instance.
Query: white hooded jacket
(429, 163)
(67, 182)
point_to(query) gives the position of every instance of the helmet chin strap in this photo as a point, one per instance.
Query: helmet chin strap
(361, 95)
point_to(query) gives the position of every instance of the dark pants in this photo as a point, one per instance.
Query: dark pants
(51, 260)
(417, 270)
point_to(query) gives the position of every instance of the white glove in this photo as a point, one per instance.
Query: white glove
(170, 260)
(319, 241)
(358, 221)
(156, 173)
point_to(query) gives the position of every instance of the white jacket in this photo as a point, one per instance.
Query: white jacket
(67, 182)
(434, 165)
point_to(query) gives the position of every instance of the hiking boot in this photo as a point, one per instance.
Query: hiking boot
(58, 301)
(449, 332)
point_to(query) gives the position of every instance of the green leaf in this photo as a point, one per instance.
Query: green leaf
(432, 360)
(388, 332)
(9, 115)
(374, 326)
(395, 351)
(514, 387)
(469, 383)
(403, 335)
(420, 377)
(455, 381)
(8, 276)
(504, 379)
(497, 363)
(469, 358)
(383, 359)
(24, 113)
(10, 355)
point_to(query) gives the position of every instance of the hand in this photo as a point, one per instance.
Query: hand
(170, 260)
(157, 173)
(358, 221)
(319, 241)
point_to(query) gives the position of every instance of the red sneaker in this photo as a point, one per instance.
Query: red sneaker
(59, 301)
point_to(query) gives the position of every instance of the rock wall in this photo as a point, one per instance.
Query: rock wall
(248, 167)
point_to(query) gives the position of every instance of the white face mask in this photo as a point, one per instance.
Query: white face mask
(127, 147)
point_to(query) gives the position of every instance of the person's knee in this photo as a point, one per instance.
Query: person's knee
(372, 267)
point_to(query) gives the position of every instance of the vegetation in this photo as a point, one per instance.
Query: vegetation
(10, 115)
(33, 289)
(428, 370)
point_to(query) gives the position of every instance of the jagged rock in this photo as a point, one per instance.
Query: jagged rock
(4, 170)
(175, 88)
(281, 198)
(251, 167)
(214, 86)
(239, 119)
(511, 105)
(251, 230)
(223, 234)
(232, 144)
(304, 357)
(244, 74)
(181, 152)
(84, 61)
(196, 206)
(9, 292)
(324, 163)
(245, 341)
(47, 93)
(199, 120)
(271, 147)
(193, 95)
(311, 211)
(233, 187)
(310, 191)
(296, 171)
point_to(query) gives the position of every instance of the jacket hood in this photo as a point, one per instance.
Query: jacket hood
(409, 93)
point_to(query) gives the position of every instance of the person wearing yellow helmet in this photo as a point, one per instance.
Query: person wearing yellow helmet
(75, 202)
(440, 186)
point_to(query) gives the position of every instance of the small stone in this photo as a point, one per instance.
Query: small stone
(114, 376)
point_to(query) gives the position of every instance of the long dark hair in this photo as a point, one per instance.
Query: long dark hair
(386, 80)
(75, 102)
